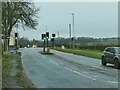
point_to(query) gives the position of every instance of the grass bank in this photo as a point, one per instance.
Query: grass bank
(83, 52)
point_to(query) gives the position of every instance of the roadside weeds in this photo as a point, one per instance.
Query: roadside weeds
(12, 72)
(21, 77)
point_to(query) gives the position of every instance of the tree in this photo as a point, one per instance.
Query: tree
(23, 42)
(18, 13)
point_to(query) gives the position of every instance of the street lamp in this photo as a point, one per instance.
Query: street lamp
(73, 28)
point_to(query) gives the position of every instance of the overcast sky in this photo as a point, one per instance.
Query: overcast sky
(92, 19)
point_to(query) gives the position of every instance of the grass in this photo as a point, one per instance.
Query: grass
(22, 80)
(19, 76)
(88, 53)
(6, 61)
(6, 67)
(7, 64)
(0, 59)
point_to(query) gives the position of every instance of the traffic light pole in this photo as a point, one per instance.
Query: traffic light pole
(44, 46)
(16, 45)
(53, 42)
(47, 43)
(16, 41)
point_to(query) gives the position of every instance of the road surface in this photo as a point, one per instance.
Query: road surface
(64, 70)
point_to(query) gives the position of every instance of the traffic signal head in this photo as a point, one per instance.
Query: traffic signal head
(16, 35)
(43, 36)
(53, 35)
(72, 38)
(52, 39)
(33, 39)
(47, 34)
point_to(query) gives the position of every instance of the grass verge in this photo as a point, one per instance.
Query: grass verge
(21, 78)
(6, 67)
(19, 75)
(88, 53)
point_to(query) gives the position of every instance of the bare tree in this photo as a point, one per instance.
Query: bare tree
(14, 13)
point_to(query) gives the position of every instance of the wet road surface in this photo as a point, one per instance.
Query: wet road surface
(64, 70)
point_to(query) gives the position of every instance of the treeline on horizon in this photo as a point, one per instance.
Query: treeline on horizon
(80, 42)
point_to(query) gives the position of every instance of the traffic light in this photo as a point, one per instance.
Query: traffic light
(43, 36)
(72, 38)
(52, 39)
(33, 39)
(53, 35)
(16, 35)
(47, 35)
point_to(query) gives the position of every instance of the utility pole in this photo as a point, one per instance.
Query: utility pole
(70, 34)
(58, 33)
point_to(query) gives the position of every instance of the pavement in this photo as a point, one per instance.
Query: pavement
(65, 70)
(13, 82)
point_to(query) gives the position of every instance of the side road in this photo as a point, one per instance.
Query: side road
(12, 72)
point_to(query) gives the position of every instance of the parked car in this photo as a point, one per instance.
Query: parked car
(111, 55)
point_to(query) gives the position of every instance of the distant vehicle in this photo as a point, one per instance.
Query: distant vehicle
(111, 55)
(34, 46)
(28, 46)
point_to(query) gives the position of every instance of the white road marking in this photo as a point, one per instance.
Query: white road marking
(96, 76)
(54, 62)
(43, 56)
(85, 72)
(111, 82)
(73, 68)
(79, 73)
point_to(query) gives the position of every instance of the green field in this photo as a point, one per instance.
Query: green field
(83, 52)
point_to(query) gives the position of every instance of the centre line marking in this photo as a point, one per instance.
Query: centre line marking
(54, 62)
(111, 82)
(79, 73)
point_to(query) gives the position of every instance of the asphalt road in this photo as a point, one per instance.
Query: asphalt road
(64, 70)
